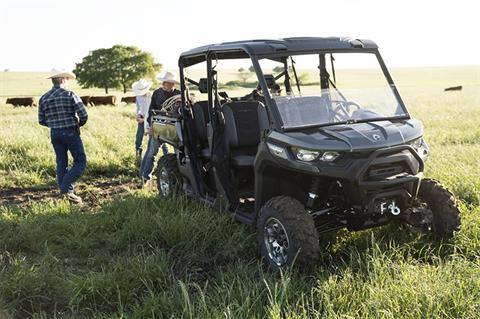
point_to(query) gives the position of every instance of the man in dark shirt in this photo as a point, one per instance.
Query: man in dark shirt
(63, 112)
(166, 91)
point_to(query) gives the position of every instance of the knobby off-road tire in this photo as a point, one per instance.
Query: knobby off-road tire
(289, 216)
(169, 180)
(445, 212)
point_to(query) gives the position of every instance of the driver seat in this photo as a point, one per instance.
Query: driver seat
(242, 131)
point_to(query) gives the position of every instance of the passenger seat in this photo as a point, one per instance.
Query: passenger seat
(200, 116)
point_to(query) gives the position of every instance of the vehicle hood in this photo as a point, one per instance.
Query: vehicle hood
(353, 137)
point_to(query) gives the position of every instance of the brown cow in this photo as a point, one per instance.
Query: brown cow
(129, 99)
(454, 88)
(86, 99)
(103, 100)
(22, 101)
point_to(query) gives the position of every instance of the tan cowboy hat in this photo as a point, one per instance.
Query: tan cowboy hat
(141, 87)
(62, 74)
(168, 77)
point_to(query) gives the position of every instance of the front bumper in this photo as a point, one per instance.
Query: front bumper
(367, 188)
(367, 177)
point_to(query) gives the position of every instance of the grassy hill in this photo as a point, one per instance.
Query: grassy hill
(130, 254)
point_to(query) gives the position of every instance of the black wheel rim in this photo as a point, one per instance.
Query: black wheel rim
(276, 241)
(421, 216)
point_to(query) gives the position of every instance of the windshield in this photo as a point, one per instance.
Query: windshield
(329, 88)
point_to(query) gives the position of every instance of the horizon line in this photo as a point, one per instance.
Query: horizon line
(8, 70)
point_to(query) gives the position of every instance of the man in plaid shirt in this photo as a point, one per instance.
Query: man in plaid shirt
(63, 112)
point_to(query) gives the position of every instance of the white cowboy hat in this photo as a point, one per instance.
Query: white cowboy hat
(62, 74)
(141, 87)
(168, 77)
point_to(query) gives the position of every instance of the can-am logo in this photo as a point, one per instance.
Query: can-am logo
(376, 137)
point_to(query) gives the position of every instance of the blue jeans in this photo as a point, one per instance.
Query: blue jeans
(139, 136)
(64, 140)
(149, 159)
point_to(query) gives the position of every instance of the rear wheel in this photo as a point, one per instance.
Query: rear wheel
(286, 234)
(435, 210)
(168, 175)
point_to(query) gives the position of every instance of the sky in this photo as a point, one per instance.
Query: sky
(39, 35)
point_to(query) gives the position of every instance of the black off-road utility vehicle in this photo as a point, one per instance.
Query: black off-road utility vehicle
(298, 158)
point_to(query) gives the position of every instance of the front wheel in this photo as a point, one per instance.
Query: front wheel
(435, 210)
(168, 175)
(286, 234)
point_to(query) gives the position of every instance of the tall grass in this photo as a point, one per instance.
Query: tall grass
(141, 256)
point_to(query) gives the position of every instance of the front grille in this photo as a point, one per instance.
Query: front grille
(386, 171)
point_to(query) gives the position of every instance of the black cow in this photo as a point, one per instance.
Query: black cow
(129, 99)
(22, 101)
(86, 99)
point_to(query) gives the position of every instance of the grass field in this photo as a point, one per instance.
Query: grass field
(130, 254)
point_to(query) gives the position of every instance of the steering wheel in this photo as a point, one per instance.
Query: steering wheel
(342, 111)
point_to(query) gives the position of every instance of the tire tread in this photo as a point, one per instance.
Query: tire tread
(302, 227)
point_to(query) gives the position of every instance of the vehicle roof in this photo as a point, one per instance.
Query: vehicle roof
(244, 49)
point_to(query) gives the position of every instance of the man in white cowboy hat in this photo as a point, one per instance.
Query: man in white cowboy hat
(63, 112)
(160, 95)
(141, 88)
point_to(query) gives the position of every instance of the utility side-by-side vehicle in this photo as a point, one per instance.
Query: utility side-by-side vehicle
(297, 158)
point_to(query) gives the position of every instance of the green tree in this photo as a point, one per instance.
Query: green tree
(115, 67)
(97, 70)
(251, 69)
(133, 64)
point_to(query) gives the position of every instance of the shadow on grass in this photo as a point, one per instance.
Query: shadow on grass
(395, 242)
(57, 258)
(143, 254)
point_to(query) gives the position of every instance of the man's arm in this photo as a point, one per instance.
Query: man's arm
(139, 110)
(41, 113)
(150, 108)
(80, 109)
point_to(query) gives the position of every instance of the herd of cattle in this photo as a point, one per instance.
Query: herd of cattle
(87, 100)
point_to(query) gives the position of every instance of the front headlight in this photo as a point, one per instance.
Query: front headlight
(309, 155)
(305, 155)
(277, 150)
(417, 143)
(329, 156)
(302, 154)
(421, 147)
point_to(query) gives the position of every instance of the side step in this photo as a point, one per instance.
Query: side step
(244, 217)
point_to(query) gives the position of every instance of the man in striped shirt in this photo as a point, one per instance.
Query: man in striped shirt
(63, 112)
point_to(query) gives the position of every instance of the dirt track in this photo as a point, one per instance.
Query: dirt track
(94, 192)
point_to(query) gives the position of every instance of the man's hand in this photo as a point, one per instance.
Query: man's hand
(140, 119)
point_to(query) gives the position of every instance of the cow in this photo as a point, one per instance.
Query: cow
(103, 100)
(129, 99)
(86, 99)
(454, 88)
(22, 101)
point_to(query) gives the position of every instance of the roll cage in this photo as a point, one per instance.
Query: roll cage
(279, 51)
